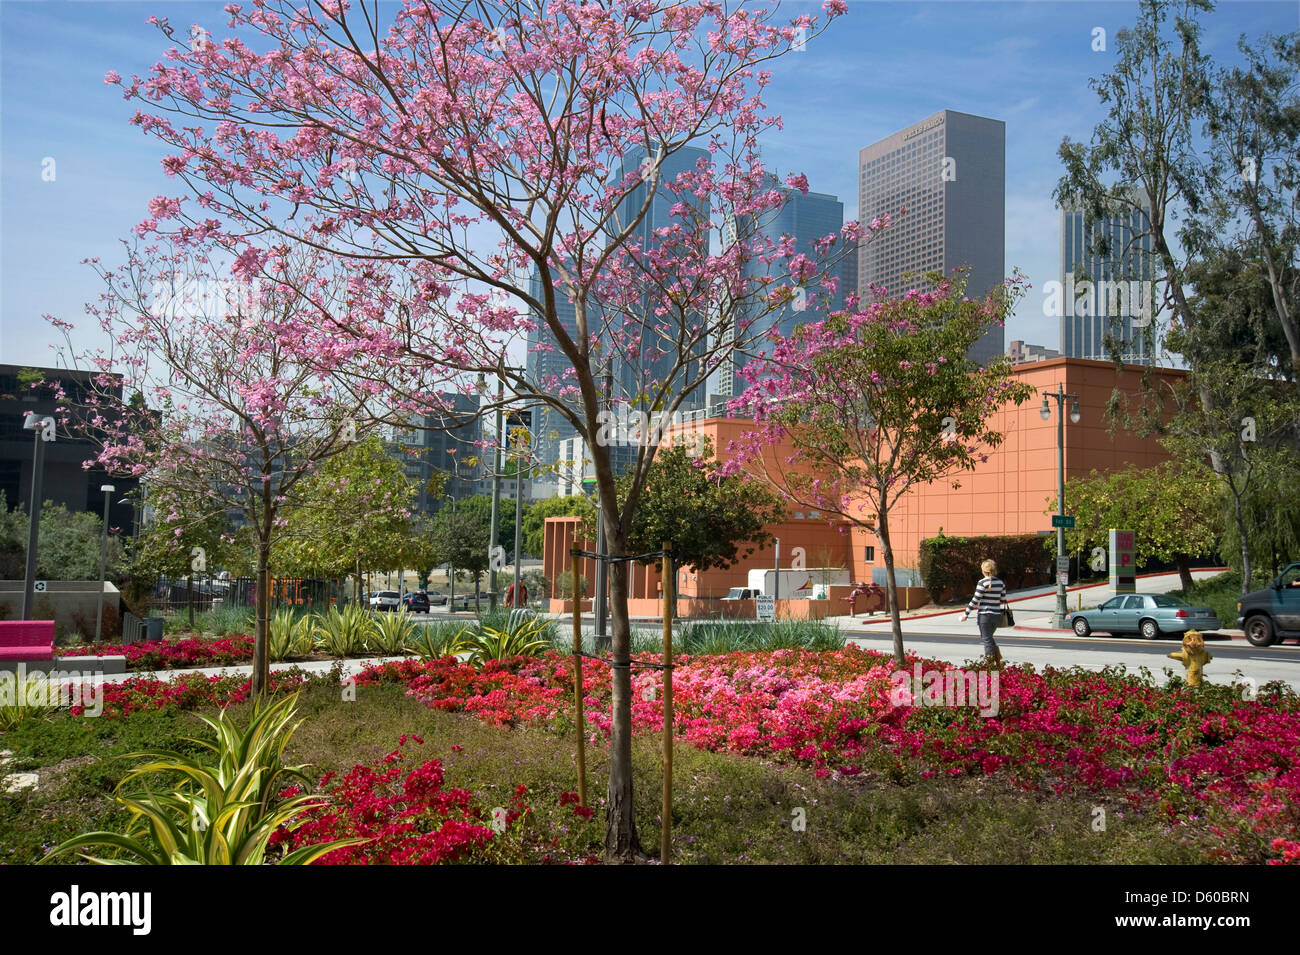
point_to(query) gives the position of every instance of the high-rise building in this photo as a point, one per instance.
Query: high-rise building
(656, 355)
(444, 441)
(1105, 296)
(65, 479)
(805, 218)
(942, 182)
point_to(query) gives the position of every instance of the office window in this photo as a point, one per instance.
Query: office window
(869, 553)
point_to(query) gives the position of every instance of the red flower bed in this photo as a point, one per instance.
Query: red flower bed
(186, 692)
(405, 815)
(1192, 755)
(173, 654)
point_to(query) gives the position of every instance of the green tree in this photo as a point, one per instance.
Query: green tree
(186, 538)
(535, 515)
(68, 548)
(878, 402)
(706, 516)
(1175, 511)
(462, 540)
(350, 515)
(480, 505)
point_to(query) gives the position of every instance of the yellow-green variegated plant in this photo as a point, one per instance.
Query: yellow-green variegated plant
(225, 805)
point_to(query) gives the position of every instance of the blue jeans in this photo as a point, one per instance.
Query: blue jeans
(988, 622)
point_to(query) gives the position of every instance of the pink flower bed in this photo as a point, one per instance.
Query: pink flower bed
(1190, 755)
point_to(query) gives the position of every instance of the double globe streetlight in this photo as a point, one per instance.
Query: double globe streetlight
(1058, 619)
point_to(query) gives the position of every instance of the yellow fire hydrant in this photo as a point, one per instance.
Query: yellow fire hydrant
(1193, 656)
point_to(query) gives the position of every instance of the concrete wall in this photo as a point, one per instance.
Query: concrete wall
(62, 600)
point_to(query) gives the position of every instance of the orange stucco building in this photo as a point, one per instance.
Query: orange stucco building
(1007, 494)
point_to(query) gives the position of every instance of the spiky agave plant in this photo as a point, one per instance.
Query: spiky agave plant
(436, 640)
(390, 633)
(225, 805)
(342, 633)
(530, 638)
(289, 635)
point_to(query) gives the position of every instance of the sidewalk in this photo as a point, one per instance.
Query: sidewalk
(1033, 607)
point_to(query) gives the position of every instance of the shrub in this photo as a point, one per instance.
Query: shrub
(950, 566)
(713, 637)
(390, 633)
(528, 639)
(30, 701)
(436, 640)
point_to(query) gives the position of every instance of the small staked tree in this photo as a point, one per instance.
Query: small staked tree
(253, 390)
(876, 402)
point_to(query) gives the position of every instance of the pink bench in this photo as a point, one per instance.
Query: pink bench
(26, 639)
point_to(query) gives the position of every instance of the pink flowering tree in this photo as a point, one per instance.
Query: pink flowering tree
(528, 168)
(876, 401)
(223, 388)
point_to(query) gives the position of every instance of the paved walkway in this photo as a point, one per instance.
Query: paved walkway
(1033, 608)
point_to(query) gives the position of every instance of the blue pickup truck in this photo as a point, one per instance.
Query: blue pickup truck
(1272, 614)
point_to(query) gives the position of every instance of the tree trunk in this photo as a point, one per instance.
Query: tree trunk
(189, 597)
(261, 667)
(1184, 573)
(621, 841)
(1240, 520)
(891, 585)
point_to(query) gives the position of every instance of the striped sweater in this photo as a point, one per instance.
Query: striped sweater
(990, 596)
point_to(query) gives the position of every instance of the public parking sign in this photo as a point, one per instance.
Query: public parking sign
(1123, 570)
(765, 607)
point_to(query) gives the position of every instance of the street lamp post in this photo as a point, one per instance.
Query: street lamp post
(496, 490)
(43, 426)
(526, 420)
(602, 570)
(103, 563)
(1058, 618)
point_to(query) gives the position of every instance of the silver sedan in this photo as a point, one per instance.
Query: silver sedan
(1150, 615)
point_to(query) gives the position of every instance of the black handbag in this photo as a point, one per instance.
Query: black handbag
(1008, 619)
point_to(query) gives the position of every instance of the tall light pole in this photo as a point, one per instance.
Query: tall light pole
(103, 563)
(602, 570)
(1058, 618)
(525, 420)
(43, 426)
(496, 489)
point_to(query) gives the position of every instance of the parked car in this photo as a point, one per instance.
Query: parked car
(436, 599)
(385, 600)
(1151, 615)
(742, 593)
(1272, 614)
(416, 602)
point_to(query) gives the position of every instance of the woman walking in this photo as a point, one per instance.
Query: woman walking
(990, 599)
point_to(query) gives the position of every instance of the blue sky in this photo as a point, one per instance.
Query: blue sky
(879, 69)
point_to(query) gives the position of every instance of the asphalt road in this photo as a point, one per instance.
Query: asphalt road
(1262, 664)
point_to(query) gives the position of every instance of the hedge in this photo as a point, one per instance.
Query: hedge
(950, 566)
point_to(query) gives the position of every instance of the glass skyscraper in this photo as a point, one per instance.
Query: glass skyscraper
(1106, 297)
(805, 218)
(656, 354)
